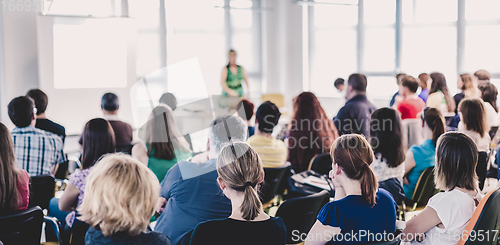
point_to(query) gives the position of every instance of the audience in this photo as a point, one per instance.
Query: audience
(339, 84)
(164, 144)
(98, 140)
(169, 99)
(399, 78)
(439, 96)
(240, 175)
(354, 117)
(447, 214)
(489, 95)
(120, 198)
(246, 110)
(468, 87)
(474, 125)
(14, 182)
(424, 80)
(37, 151)
(409, 104)
(358, 201)
(41, 102)
(310, 131)
(482, 76)
(190, 193)
(272, 151)
(123, 131)
(420, 157)
(386, 139)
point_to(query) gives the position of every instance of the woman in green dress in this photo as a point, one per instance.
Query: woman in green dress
(232, 74)
(164, 144)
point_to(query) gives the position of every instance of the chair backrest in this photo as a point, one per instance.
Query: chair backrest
(272, 180)
(486, 218)
(300, 213)
(277, 99)
(426, 188)
(42, 190)
(321, 164)
(22, 228)
(284, 180)
(412, 132)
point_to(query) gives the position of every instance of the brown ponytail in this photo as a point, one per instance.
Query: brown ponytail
(435, 121)
(240, 168)
(353, 154)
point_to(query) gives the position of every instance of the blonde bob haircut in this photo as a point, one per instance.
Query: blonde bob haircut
(120, 196)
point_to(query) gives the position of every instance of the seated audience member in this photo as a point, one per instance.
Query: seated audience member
(164, 144)
(123, 131)
(190, 193)
(14, 182)
(489, 95)
(272, 151)
(98, 140)
(420, 157)
(468, 89)
(121, 197)
(387, 143)
(399, 78)
(41, 101)
(411, 105)
(424, 80)
(240, 173)
(37, 151)
(169, 99)
(482, 76)
(439, 96)
(447, 214)
(246, 110)
(310, 131)
(354, 116)
(358, 205)
(474, 125)
(339, 84)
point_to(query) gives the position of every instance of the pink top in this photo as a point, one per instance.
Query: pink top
(23, 188)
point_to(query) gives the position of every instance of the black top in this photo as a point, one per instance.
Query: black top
(95, 237)
(355, 116)
(230, 231)
(50, 126)
(458, 97)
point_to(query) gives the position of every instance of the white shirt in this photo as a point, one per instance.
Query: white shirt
(482, 143)
(383, 171)
(491, 115)
(454, 209)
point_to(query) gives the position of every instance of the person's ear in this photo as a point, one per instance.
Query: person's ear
(262, 177)
(339, 170)
(221, 183)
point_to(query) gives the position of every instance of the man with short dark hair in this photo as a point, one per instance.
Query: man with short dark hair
(41, 102)
(354, 116)
(272, 152)
(483, 76)
(412, 105)
(37, 151)
(123, 131)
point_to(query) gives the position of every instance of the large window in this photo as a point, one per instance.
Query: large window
(381, 38)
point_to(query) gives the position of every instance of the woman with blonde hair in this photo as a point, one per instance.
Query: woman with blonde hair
(14, 182)
(240, 175)
(469, 89)
(359, 204)
(120, 197)
(444, 218)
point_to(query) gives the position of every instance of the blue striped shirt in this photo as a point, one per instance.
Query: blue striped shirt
(37, 151)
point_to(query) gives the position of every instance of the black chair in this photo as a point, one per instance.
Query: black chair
(322, 164)
(283, 186)
(481, 168)
(42, 189)
(22, 228)
(272, 180)
(299, 214)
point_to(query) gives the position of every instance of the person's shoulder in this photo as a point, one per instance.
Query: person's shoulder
(384, 194)
(47, 134)
(155, 237)
(210, 225)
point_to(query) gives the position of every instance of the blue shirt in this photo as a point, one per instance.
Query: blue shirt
(193, 197)
(355, 216)
(355, 116)
(393, 99)
(424, 94)
(425, 156)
